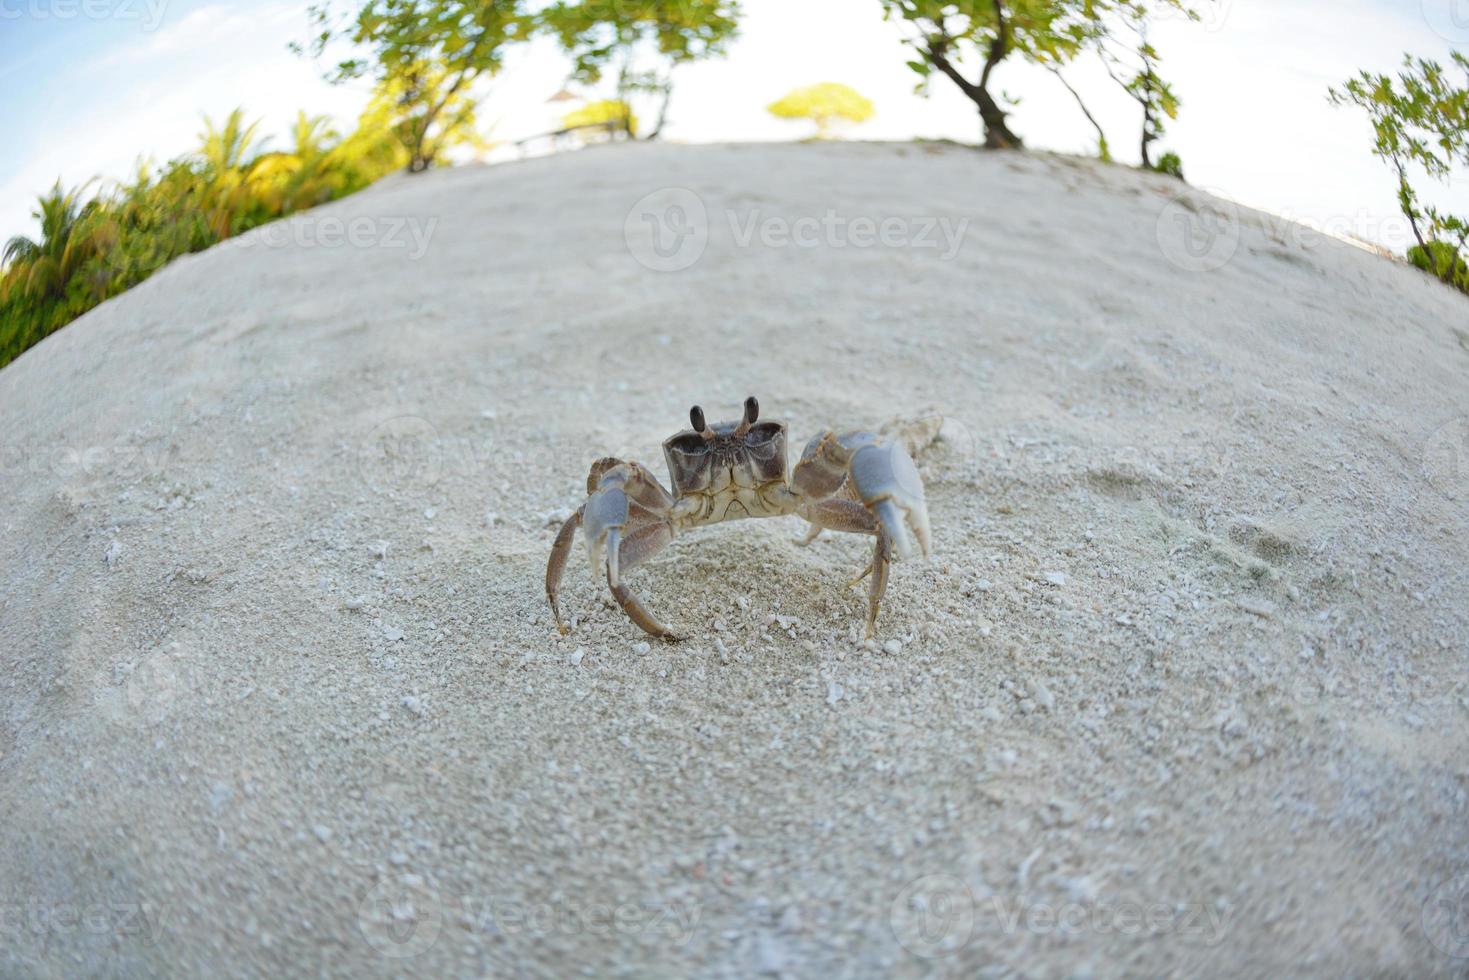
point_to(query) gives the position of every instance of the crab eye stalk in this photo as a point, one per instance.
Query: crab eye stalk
(696, 418)
(752, 410)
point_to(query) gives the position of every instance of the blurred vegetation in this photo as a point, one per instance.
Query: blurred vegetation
(423, 57)
(642, 40)
(825, 104)
(1052, 34)
(1420, 124)
(430, 53)
(615, 114)
(94, 244)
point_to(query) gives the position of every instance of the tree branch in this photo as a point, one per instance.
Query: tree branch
(1101, 135)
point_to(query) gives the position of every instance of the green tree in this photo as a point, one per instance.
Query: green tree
(42, 269)
(91, 248)
(645, 40)
(1131, 61)
(824, 104)
(1420, 123)
(424, 57)
(1048, 33)
(946, 33)
(305, 176)
(231, 173)
(615, 114)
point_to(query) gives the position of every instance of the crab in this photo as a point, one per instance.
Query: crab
(855, 482)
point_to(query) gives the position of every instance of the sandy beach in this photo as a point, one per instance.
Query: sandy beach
(1183, 690)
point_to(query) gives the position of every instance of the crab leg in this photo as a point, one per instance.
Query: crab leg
(860, 483)
(559, 550)
(842, 514)
(879, 583)
(626, 522)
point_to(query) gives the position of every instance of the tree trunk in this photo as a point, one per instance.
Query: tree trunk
(662, 110)
(997, 135)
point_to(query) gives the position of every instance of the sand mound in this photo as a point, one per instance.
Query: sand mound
(1183, 689)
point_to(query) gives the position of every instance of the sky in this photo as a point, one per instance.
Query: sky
(90, 87)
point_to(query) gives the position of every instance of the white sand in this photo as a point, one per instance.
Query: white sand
(1187, 671)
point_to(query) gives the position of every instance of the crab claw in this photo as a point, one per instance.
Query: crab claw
(888, 483)
(625, 521)
(603, 519)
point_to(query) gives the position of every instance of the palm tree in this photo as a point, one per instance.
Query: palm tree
(226, 149)
(41, 269)
(306, 176)
(229, 170)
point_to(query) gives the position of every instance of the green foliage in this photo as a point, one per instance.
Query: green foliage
(645, 40)
(1170, 164)
(1420, 123)
(613, 113)
(597, 33)
(945, 32)
(825, 104)
(1049, 33)
(423, 56)
(94, 247)
(1443, 260)
(1121, 41)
